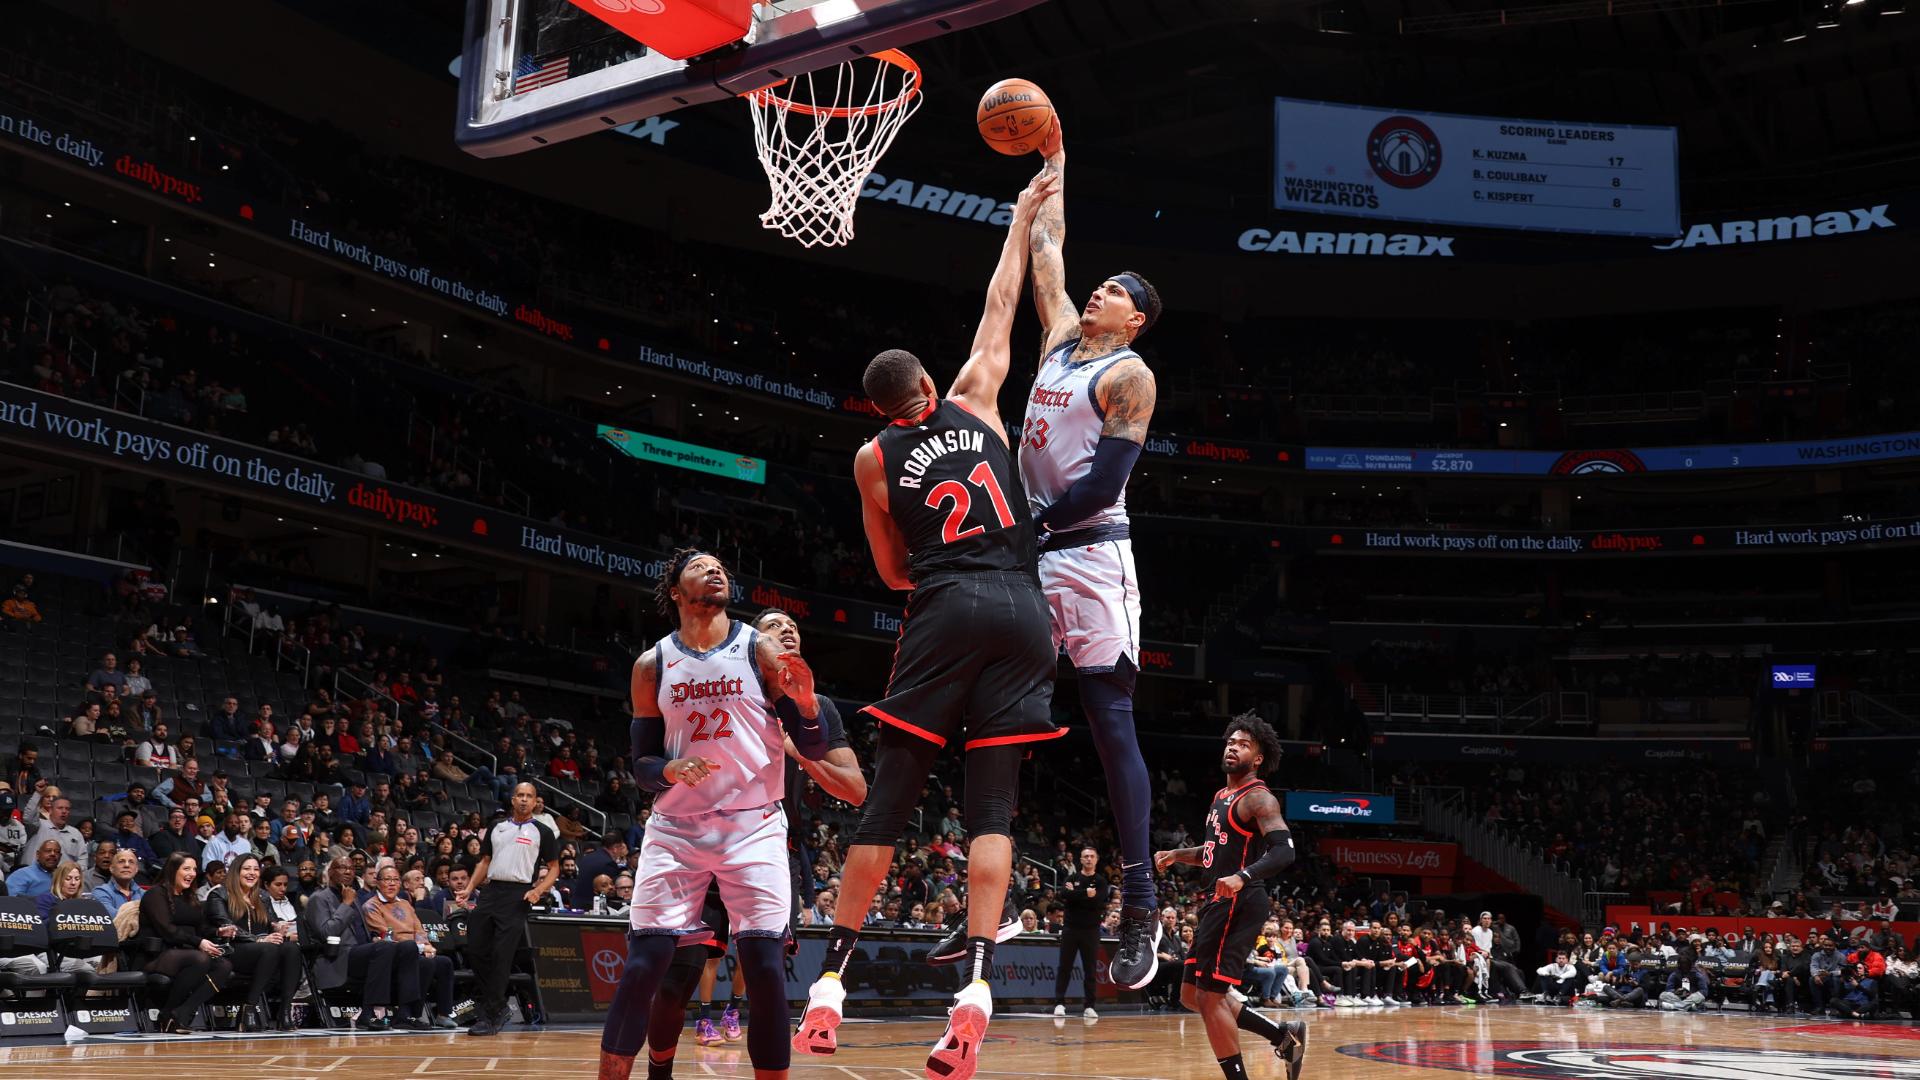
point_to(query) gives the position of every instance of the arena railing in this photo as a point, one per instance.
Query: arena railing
(551, 789)
(1593, 909)
(1447, 812)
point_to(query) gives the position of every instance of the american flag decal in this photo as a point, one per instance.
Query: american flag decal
(531, 74)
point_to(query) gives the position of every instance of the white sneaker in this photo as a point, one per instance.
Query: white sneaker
(821, 1020)
(957, 1054)
(1343, 1002)
(1395, 1002)
(1059, 1010)
(1089, 1014)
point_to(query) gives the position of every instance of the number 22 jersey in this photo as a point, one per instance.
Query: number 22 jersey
(716, 707)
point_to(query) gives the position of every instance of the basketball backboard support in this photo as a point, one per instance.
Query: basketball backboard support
(537, 72)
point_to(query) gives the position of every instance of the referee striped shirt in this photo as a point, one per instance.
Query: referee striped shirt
(520, 850)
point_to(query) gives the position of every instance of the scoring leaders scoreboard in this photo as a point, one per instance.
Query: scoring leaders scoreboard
(1618, 179)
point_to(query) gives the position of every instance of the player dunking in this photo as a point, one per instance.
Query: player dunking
(1247, 841)
(946, 517)
(1086, 422)
(710, 701)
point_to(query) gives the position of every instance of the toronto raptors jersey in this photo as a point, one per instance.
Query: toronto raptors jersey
(1061, 430)
(1229, 845)
(716, 708)
(953, 492)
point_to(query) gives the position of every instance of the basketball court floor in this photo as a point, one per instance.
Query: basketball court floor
(1377, 1044)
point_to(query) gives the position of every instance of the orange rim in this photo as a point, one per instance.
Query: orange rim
(766, 96)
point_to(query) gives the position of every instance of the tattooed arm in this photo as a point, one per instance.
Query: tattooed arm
(1127, 394)
(1047, 239)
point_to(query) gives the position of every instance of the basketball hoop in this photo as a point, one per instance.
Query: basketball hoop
(819, 135)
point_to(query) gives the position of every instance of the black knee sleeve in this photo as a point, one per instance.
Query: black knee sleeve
(993, 781)
(648, 956)
(763, 968)
(901, 765)
(669, 1012)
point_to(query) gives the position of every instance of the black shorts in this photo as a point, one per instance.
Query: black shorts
(976, 660)
(714, 914)
(1224, 939)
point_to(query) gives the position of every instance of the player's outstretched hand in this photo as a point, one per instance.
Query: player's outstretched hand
(1162, 860)
(689, 770)
(1041, 188)
(796, 678)
(1056, 140)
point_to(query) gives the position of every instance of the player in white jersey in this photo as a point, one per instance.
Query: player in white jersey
(1086, 422)
(712, 705)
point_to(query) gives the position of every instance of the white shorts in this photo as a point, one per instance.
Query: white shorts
(745, 850)
(1094, 596)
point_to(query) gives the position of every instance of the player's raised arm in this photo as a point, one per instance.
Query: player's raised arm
(883, 535)
(790, 684)
(979, 381)
(1047, 241)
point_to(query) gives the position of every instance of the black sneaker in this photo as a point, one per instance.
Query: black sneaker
(1291, 1046)
(953, 947)
(1137, 960)
(484, 1026)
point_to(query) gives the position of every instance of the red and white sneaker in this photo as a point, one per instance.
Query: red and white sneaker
(957, 1054)
(821, 1021)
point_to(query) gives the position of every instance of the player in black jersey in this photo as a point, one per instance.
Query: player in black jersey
(947, 518)
(1247, 841)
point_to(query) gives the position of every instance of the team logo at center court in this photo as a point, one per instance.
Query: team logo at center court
(1563, 1061)
(1403, 152)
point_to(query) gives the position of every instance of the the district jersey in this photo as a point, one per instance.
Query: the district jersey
(954, 493)
(716, 707)
(1229, 846)
(1062, 428)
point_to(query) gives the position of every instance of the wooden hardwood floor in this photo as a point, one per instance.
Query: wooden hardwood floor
(1368, 1044)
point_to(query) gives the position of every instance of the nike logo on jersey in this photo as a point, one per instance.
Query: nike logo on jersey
(670, 663)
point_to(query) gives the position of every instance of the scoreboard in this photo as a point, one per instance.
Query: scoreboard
(1557, 176)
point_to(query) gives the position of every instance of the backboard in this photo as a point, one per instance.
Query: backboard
(536, 72)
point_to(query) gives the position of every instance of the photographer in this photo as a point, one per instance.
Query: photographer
(1859, 993)
(1687, 987)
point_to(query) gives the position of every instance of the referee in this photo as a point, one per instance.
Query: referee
(514, 851)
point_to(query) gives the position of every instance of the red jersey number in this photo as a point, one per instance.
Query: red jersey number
(720, 721)
(955, 492)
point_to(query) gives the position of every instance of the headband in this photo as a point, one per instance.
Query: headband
(680, 564)
(1136, 289)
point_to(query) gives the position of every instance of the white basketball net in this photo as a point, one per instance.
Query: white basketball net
(820, 134)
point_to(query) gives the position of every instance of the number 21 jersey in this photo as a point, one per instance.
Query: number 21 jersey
(716, 708)
(954, 493)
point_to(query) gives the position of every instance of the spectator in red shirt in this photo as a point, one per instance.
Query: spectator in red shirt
(563, 766)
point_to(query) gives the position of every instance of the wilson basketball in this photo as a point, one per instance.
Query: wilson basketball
(1015, 116)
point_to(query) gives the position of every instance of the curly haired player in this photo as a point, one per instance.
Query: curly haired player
(1247, 841)
(714, 703)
